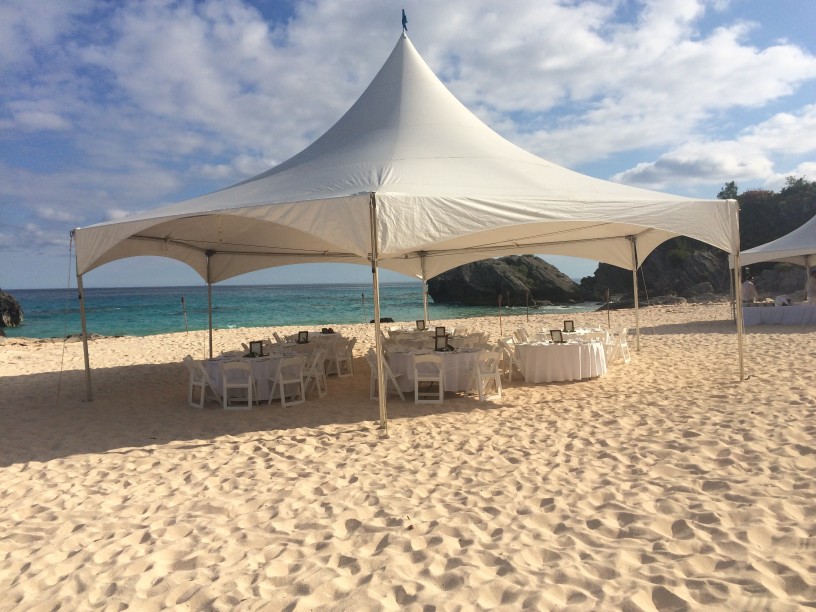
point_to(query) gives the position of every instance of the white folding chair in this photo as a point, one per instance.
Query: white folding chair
(237, 376)
(620, 338)
(428, 369)
(343, 360)
(390, 377)
(290, 372)
(199, 379)
(473, 340)
(485, 373)
(521, 335)
(315, 372)
(611, 348)
(508, 350)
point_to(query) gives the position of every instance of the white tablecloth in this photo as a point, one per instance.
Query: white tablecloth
(262, 367)
(455, 367)
(559, 362)
(799, 314)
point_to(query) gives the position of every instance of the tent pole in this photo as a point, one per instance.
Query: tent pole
(375, 279)
(739, 319)
(81, 289)
(209, 301)
(633, 240)
(424, 289)
(735, 248)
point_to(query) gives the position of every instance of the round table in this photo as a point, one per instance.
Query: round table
(455, 367)
(550, 362)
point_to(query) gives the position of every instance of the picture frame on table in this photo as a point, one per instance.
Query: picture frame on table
(256, 348)
(440, 331)
(303, 337)
(569, 326)
(420, 325)
(440, 343)
(557, 336)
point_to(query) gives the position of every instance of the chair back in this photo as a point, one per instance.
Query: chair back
(191, 366)
(198, 372)
(318, 358)
(521, 335)
(291, 368)
(371, 359)
(428, 364)
(236, 371)
(507, 344)
(473, 340)
(488, 362)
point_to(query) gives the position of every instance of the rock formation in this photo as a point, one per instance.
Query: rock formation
(519, 279)
(11, 313)
(668, 271)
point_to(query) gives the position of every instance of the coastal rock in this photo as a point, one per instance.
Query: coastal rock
(11, 313)
(698, 289)
(519, 279)
(671, 269)
(783, 278)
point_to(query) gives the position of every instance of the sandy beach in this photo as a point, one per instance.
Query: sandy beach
(666, 484)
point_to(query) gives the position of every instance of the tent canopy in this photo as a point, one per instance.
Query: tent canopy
(797, 247)
(447, 190)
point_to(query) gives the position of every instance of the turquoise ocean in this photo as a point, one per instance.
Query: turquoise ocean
(143, 311)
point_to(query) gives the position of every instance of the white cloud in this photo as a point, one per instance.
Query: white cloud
(49, 213)
(238, 168)
(38, 120)
(26, 26)
(749, 157)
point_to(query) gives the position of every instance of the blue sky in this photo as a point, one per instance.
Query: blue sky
(108, 108)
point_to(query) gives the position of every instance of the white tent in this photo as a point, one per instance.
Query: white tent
(797, 247)
(409, 180)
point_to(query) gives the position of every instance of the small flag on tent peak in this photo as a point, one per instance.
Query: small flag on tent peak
(404, 21)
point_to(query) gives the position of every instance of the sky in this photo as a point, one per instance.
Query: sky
(110, 108)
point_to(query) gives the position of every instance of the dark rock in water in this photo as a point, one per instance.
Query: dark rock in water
(519, 279)
(11, 313)
(384, 320)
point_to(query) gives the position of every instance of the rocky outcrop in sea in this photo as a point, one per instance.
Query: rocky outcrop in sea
(11, 313)
(519, 279)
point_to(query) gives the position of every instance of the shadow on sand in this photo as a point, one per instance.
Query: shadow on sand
(140, 406)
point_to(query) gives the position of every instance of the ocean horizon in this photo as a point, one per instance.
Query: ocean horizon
(145, 311)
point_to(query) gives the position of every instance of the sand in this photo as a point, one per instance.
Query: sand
(667, 484)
